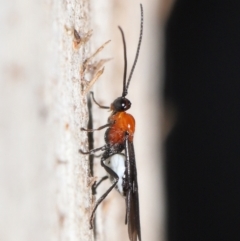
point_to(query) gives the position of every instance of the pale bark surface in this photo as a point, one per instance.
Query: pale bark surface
(44, 185)
(44, 181)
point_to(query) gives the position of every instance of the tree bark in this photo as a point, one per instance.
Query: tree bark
(44, 180)
(45, 184)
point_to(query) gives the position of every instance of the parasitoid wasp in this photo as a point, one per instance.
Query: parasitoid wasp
(121, 167)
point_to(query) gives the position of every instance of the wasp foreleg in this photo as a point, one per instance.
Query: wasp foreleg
(100, 106)
(97, 129)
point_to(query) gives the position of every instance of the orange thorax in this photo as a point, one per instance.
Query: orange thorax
(123, 123)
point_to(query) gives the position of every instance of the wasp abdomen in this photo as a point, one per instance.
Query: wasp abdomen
(122, 123)
(117, 164)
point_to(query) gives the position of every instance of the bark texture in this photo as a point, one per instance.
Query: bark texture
(45, 184)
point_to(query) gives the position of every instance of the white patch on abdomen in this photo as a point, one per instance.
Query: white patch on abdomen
(117, 164)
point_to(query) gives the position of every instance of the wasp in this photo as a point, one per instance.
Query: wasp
(118, 157)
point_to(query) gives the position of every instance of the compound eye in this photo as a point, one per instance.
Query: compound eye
(121, 104)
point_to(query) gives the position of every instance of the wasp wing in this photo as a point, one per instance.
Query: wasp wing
(132, 201)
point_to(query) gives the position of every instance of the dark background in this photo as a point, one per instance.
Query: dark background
(202, 80)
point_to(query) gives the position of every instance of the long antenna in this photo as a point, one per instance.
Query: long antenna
(125, 87)
(125, 60)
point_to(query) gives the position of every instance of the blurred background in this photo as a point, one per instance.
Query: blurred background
(185, 99)
(202, 151)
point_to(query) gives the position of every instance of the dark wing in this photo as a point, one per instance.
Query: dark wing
(132, 201)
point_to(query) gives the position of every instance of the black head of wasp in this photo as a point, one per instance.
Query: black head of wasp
(121, 168)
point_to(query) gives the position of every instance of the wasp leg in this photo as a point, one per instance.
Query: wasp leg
(101, 106)
(91, 152)
(97, 129)
(96, 184)
(112, 173)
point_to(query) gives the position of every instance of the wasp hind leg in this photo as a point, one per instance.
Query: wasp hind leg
(115, 176)
(96, 184)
